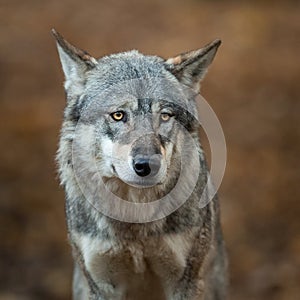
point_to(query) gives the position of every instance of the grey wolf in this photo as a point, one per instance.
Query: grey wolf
(138, 133)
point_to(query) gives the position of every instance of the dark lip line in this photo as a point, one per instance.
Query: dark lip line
(141, 184)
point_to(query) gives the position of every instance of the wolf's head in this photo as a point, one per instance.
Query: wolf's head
(131, 113)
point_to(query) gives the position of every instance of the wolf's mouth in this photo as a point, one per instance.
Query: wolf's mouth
(143, 183)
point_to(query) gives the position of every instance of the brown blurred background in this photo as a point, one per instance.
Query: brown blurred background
(253, 86)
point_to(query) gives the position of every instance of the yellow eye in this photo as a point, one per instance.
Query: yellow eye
(165, 117)
(118, 116)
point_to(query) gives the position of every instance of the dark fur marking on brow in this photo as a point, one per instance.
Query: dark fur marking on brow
(145, 106)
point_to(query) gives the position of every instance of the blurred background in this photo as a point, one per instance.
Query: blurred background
(253, 86)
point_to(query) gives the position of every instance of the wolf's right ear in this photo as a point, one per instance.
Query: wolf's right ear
(75, 62)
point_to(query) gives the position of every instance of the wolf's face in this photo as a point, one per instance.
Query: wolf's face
(134, 111)
(137, 123)
(136, 140)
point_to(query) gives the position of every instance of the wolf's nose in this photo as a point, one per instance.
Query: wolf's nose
(145, 166)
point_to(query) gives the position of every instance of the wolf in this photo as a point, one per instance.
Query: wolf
(129, 138)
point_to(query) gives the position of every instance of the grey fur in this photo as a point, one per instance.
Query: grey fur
(178, 257)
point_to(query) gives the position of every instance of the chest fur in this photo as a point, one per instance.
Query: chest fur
(137, 268)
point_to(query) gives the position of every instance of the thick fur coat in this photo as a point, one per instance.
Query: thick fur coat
(177, 257)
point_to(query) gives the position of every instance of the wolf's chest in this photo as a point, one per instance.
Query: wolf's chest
(137, 268)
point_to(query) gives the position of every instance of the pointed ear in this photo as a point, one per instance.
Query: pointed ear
(190, 67)
(75, 62)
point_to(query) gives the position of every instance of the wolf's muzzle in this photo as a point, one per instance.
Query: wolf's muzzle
(144, 166)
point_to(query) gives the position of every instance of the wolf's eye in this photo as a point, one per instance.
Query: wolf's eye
(118, 116)
(165, 117)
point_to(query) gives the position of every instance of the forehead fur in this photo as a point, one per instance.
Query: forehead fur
(120, 67)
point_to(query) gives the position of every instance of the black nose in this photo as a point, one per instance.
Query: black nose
(145, 166)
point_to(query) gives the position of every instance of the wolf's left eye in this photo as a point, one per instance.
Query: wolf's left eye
(165, 117)
(118, 116)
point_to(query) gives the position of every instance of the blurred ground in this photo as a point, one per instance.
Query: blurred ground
(253, 86)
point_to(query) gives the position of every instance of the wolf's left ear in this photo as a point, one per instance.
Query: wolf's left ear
(190, 67)
(75, 62)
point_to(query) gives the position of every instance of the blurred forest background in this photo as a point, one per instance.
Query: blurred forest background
(253, 86)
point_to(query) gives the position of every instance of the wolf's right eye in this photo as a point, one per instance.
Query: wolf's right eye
(118, 116)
